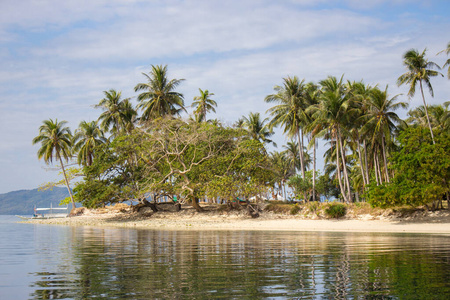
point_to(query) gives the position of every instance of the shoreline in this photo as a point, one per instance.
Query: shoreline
(437, 224)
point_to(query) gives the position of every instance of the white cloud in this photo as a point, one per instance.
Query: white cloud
(58, 57)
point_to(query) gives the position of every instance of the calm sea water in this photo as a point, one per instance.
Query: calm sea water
(58, 262)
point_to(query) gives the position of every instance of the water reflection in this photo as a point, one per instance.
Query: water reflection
(145, 264)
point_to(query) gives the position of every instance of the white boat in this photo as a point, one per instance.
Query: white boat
(48, 213)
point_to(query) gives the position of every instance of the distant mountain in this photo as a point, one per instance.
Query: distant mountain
(23, 202)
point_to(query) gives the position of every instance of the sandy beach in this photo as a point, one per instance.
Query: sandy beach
(433, 222)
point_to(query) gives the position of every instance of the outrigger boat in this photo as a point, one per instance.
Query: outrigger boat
(48, 213)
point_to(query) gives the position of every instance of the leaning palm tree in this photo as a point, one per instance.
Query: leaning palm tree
(203, 104)
(86, 138)
(419, 72)
(289, 111)
(159, 97)
(56, 142)
(118, 114)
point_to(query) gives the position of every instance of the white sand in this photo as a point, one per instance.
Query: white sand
(439, 223)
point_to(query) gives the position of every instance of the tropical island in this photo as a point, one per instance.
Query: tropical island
(149, 154)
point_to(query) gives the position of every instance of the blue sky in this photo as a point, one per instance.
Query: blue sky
(57, 57)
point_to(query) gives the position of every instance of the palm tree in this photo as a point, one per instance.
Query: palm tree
(159, 97)
(329, 120)
(380, 120)
(282, 168)
(291, 150)
(447, 63)
(439, 116)
(118, 114)
(290, 111)
(257, 128)
(56, 142)
(86, 138)
(419, 72)
(203, 104)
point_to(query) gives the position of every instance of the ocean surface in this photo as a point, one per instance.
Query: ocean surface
(59, 262)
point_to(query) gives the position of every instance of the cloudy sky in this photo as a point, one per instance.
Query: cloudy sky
(57, 57)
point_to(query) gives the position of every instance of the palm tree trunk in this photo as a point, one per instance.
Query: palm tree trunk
(426, 112)
(366, 166)
(377, 162)
(384, 158)
(338, 168)
(67, 183)
(361, 163)
(314, 170)
(300, 146)
(344, 167)
(375, 167)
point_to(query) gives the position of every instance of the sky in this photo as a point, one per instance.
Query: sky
(58, 57)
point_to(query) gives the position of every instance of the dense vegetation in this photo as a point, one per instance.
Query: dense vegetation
(371, 153)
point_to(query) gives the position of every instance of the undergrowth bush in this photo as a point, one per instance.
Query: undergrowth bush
(335, 210)
(279, 207)
(295, 209)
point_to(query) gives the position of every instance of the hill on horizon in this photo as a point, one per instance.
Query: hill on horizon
(22, 202)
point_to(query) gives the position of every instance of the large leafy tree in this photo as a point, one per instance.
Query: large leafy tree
(86, 138)
(203, 104)
(56, 142)
(158, 95)
(422, 171)
(419, 72)
(289, 111)
(118, 114)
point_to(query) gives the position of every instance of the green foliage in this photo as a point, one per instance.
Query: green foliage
(335, 210)
(295, 209)
(422, 171)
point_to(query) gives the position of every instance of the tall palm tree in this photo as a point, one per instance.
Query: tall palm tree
(118, 114)
(289, 111)
(203, 104)
(159, 97)
(56, 142)
(257, 128)
(380, 119)
(447, 63)
(419, 72)
(86, 138)
(329, 120)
